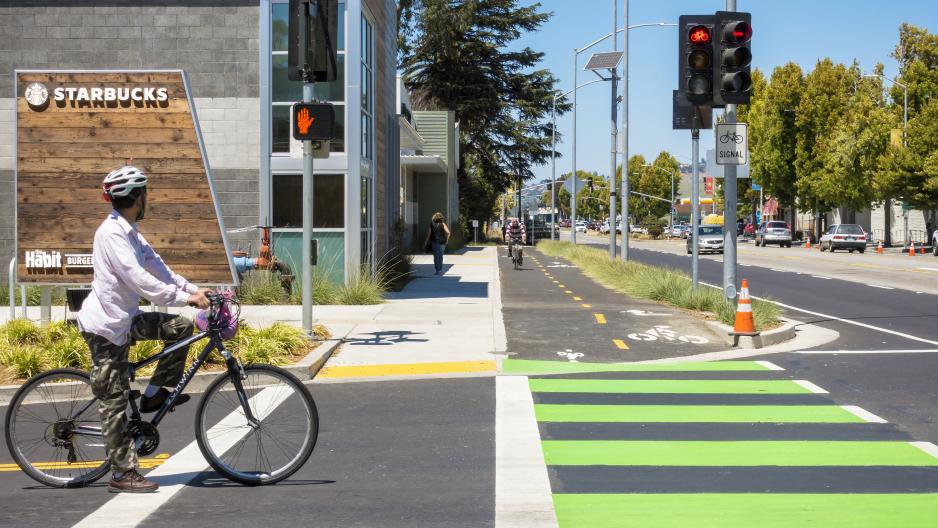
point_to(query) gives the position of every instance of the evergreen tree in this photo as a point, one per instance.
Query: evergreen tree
(456, 55)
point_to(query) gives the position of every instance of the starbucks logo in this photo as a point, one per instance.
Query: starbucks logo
(37, 96)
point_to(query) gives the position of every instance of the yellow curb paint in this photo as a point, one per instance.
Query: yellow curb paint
(577, 298)
(406, 369)
(620, 344)
(586, 305)
(600, 318)
(143, 463)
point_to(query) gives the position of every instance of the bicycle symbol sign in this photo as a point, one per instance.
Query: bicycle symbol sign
(732, 144)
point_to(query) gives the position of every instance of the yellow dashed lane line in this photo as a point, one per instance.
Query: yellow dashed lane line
(600, 318)
(620, 344)
(406, 369)
(577, 298)
(584, 305)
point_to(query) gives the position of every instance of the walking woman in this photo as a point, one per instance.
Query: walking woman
(437, 237)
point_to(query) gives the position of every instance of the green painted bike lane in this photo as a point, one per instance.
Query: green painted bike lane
(704, 510)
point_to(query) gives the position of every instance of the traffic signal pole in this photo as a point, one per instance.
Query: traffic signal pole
(729, 209)
(307, 285)
(624, 198)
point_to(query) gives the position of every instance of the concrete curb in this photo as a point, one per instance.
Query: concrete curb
(304, 369)
(775, 336)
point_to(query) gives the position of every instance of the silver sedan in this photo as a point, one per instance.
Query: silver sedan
(709, 239)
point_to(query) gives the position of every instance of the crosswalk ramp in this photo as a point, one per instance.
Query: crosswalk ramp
(709, 445)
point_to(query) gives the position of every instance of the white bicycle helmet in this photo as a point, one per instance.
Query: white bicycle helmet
(120, 182)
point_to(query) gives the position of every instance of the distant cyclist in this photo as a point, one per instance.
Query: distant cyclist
(514, 233)
(125, 269)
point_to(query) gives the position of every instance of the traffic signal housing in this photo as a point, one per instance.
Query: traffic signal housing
(695, 58)
(733, 54)
(311, 40)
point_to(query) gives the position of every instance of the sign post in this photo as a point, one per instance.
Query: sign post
(732, 150)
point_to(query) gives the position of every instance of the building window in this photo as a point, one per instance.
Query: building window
(285, 92)
(328, 200)
(367, 139)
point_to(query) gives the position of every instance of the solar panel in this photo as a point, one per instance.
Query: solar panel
(604, 61)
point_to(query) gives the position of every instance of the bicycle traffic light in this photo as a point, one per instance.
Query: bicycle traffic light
(731, 47)
(695, 58)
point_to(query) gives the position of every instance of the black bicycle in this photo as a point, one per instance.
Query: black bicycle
(255, 424)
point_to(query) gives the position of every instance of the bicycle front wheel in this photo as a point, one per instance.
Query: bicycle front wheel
(53, 430)
(272, 448)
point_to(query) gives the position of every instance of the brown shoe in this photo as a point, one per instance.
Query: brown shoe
(131, 482)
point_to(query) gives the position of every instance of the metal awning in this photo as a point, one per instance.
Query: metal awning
(426, 163)
(410, 138)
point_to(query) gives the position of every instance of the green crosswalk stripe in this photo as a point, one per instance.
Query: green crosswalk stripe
(694, 413)
(668, 386)
(718, 510)
(526, 366)
(733, 453)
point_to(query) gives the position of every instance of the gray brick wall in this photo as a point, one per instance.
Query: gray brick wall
(237, 194)
(215, 41)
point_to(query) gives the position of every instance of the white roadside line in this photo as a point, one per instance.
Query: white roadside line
(811, 387)
(882, 287)
(522, 487)
(778, 270)
(927, 269)
(769, 365)
(862, 413)
(927, 447)
(833, 318)
(821, 277)
(127, 510)
(909, 351)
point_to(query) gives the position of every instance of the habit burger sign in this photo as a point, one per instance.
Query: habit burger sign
(72, 128)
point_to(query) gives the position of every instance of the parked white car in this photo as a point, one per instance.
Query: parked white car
(581, 227)
(843, 236)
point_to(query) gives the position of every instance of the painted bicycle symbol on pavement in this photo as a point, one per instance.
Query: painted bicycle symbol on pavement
(664, 333)
(570, 355)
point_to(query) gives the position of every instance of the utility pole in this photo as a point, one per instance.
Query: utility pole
(612, 153)
(625, 142)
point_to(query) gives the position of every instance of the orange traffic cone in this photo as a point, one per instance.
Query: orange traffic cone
(912, 249)
(921, 249)
(879, 247)
(807, 243)
(744, 325)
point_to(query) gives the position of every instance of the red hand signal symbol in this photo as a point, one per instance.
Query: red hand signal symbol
(304, 121)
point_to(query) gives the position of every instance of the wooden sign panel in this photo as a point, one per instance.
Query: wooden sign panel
(72, 128)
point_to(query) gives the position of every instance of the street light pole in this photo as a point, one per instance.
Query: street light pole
(612, 144)
(553, 165)
(576, 54)
(625, 139)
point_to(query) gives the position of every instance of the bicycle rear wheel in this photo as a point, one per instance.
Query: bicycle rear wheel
(277, 445)
(53, 430)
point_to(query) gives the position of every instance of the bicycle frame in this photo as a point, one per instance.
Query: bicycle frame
(215, 343)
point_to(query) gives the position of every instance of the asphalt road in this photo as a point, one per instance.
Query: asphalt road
(392, 453)
(900, 387)
(554, 312)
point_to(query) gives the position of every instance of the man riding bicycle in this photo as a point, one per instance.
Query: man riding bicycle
(125, 269)
(514, 234)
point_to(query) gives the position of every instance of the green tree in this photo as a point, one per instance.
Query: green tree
(461, 55)
(826, 96)
(854, 150)
(773, 144)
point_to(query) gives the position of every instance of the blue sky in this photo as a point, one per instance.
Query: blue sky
(783, 30)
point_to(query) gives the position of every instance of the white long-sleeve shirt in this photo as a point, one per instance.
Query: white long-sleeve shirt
(125, 269)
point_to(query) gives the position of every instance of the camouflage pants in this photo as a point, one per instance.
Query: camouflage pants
(110, 378)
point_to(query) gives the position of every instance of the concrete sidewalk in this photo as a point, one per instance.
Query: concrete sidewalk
(448, 324)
